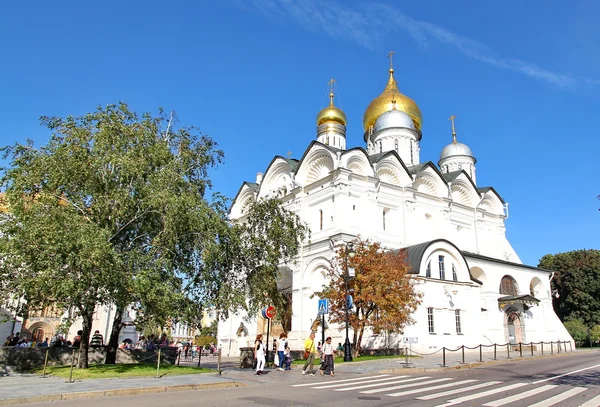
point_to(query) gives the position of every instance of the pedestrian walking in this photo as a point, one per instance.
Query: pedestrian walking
(259, 354)
(310, 351)
(281, 350)
(328, 357)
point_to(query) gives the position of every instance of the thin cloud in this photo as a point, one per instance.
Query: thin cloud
(369, 25)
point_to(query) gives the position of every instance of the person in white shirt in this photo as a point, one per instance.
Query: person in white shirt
(259, 354)
(328, 353)
(282, 344)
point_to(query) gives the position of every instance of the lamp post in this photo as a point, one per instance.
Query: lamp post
(347, 346)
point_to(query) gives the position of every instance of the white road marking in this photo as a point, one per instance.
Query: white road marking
(387, 379)
(441, 386)
(339, 381)
(559, 397)
(520, 396)
(402, 386)
(450, 392)
(595, 402)
(482, 394)
(565, 374)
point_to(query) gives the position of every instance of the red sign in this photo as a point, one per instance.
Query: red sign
(270, 312)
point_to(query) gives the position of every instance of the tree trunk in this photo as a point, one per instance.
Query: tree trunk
(113, 342)
(86, 315)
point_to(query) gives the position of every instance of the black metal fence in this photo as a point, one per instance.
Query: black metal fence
(517, 349)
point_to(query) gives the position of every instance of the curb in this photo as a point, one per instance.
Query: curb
(474, 364)
(119, 392)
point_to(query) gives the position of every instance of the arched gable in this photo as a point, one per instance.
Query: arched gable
(430, 181)
(492, 202)
(247, 193)
(277, 180)
(357, 161)
(463, 190)
(390, 169)
(318, 161)
(315, 274)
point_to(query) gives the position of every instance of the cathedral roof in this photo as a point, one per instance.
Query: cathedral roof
(484, 190)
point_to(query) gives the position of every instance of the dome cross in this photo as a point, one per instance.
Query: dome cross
(390, 55)
(331, 82)
(451, 118)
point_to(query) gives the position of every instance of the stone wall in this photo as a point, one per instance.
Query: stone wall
(24, 359)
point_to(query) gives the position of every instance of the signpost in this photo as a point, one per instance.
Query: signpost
(268, 313)
(410, 341)
(323, 309)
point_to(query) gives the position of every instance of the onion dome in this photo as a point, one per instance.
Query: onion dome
(394, 119)
(391, 99)
(331, 113)
(455, 148)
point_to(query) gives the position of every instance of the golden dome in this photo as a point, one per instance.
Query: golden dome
(385, 102)
(331, 113)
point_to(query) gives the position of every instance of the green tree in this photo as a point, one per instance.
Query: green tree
(577, 281)
(384, 295)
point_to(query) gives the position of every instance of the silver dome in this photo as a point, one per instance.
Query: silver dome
(394, 118)
(454, 149)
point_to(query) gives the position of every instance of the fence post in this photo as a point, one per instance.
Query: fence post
(463, 354)
(494, 351)
(480, 353)
(542, 345)
(520, 349)
(531, 346)
(444, 356)
(508, 349)
(158, 364)
(219, 361)
(571, 346)
(199, 356)
(551, 348)
(406, 356)
(45, 363)
(72, 363)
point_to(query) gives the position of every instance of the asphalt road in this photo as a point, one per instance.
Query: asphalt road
(565, 382)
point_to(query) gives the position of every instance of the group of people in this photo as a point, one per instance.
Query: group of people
(283, 355)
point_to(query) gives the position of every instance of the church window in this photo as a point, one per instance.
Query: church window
(454, 275)
(508, 286)
(380, 146)
(327, 140)
(383, 218)
(442, 269)
(411, 153)
(430, 320)
(320, 219)
(396, 145)
(457, 319)
(428, 271)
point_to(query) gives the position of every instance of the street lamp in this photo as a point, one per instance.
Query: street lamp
(347, 346)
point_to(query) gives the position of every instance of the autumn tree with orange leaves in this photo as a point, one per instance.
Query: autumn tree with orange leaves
(383, 293)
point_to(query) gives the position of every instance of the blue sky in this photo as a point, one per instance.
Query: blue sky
(523, 78)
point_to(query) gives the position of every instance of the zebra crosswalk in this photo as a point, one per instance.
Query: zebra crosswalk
(450, 391)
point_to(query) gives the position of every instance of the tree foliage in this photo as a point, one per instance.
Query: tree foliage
(577, 281)
(383, 293)
(113, 211)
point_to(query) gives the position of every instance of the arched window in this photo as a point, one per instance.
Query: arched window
(442, 267)
(396, 145)
(454, 275)
(508, 286)
(428, 271)
(320, 219)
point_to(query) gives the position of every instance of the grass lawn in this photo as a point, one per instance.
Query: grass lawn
(121, 370)
(340, 359)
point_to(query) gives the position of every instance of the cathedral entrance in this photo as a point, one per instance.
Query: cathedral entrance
(514, 327)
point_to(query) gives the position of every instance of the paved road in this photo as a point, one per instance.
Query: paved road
(565, 382)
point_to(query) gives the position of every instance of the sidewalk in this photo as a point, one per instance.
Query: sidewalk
(28, 388)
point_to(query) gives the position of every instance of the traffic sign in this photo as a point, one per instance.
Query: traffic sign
(323, 306)
(409, 340)
(269, 312)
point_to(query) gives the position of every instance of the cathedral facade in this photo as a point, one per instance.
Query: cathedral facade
(475, 288)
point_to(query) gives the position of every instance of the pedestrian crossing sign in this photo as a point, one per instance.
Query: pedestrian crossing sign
(323, 306)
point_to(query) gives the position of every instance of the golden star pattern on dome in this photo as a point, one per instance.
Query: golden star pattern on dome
(331, 113)
(391, 98)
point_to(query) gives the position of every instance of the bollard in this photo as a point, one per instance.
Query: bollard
(520, 349)
(508, 349)
(463, 354)
(406, 356)
(444, 356)
(219, 361)
(45, 364)
(158, 364)
(480, 354)
(72, 363)
(199, 356)
(494, 351)
(531, 346)
(551, 348)
(542, 345)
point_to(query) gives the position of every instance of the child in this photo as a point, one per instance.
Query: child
(287, 358)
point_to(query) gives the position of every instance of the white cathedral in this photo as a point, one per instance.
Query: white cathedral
(475, 288)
